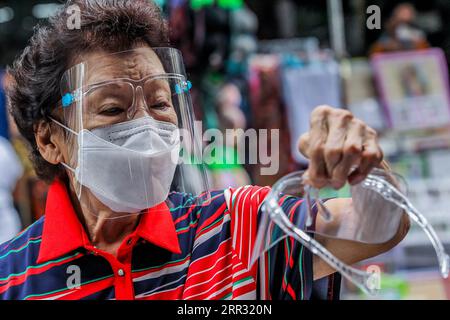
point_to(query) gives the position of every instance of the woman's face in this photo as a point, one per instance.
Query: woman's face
(108, 100)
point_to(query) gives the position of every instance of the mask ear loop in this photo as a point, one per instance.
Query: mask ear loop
(63, 126)
(73, 132)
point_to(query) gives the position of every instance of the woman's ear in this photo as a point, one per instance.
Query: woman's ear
(49, 143)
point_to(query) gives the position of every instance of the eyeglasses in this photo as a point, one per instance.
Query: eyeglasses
(120, 95)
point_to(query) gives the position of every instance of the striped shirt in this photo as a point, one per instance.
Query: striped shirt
(184, 251)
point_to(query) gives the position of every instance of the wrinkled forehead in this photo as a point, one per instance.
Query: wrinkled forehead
(134, 65)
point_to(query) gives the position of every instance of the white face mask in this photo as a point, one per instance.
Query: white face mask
(407, 33)
(128, 166)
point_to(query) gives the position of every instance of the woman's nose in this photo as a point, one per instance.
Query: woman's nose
(139, 108)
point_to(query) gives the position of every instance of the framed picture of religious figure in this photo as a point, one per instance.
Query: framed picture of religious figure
(414, 88)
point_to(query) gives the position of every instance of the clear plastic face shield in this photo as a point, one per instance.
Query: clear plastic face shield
(372, 216)
(130, 132)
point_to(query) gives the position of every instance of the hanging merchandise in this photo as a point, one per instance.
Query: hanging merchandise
(182, 30)
(199, 4)
(268, 112)
(243, 43)
(304, 48)
(360, 94)
(160, 3)
(225, 164)
(372, 216)
(224, 4)
(210, 87)
(305, 88)
(201, 35)
(177, 3)
(230, 4)
(309, 77)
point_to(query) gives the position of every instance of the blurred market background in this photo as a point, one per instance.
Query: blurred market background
(266, 64)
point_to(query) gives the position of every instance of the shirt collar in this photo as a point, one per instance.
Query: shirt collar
(63, 232)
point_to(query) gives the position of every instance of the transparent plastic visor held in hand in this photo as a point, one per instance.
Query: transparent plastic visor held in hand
(373, 216)
(391, 194)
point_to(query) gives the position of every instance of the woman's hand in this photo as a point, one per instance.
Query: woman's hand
(335, 143)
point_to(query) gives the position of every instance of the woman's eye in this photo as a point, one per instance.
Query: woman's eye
(111, 111)
(161, 106)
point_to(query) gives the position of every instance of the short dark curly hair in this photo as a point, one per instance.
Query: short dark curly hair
(110, 25)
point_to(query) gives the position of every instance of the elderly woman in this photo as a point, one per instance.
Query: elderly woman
(107, 113)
